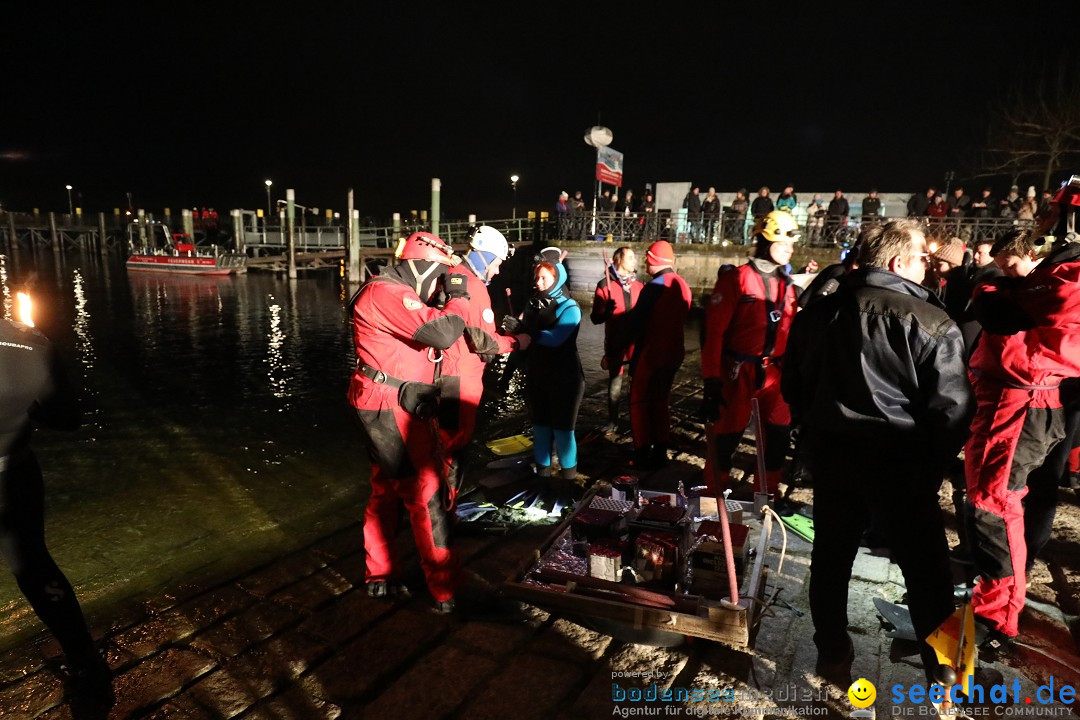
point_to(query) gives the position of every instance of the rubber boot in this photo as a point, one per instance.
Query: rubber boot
(772, 482)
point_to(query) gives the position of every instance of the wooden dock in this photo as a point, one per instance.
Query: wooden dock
(370, 258)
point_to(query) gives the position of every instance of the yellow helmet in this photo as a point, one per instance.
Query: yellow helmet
(777, 226)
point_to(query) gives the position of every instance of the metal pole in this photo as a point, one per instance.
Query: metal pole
(103, 247)
(290, 211)
(188, 221)
(53, 233)
(436, 191)
(354, 241)
(141, 217)
(596, 196)
(238, 228)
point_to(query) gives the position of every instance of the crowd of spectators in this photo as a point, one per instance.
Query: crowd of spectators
(706, 217)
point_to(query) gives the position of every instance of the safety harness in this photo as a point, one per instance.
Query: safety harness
(773, 314)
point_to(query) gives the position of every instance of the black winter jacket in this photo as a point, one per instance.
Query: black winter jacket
(879, 365)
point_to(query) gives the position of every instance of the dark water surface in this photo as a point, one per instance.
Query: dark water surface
(216, 432)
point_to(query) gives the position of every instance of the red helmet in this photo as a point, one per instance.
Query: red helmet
(425, 246)
(661, 254)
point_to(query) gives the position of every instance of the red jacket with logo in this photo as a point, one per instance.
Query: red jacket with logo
(394, 331)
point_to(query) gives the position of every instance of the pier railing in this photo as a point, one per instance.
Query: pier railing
(63, 231)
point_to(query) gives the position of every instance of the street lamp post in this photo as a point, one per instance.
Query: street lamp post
(268, 208)
(71, 207)
(513, 184)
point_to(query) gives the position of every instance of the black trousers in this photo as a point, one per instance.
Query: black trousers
(1040, 505)
(22, 546)
(901, 500)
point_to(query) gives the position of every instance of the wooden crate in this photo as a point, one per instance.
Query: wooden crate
(695, 615)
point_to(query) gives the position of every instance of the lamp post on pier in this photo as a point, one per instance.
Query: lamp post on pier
(269, 209)
(71, 206)
(513, 184)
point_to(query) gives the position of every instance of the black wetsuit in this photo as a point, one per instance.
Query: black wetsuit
(33, 389)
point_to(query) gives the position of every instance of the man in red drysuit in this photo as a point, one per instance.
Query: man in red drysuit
(655, 328)
(746, 329)
(1030, 344)
(398, 343)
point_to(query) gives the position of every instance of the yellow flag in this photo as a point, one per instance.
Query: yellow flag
(946, 641)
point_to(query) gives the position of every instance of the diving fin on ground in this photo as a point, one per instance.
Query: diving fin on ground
(898, 616)
(513, 445)
(800, 525)
(509, 462)
(524, 500)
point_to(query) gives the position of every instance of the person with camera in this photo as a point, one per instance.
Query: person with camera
(398, 340)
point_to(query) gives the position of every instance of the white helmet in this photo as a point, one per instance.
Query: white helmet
(488, 239)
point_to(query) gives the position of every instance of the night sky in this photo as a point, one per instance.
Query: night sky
(195, 105)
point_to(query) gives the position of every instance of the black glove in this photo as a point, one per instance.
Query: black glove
(713, 400)
(511, 325)
(456, 287)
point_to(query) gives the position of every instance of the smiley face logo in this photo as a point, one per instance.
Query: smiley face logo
(862, 693)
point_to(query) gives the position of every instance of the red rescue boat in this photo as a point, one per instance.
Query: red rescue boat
(182, 256)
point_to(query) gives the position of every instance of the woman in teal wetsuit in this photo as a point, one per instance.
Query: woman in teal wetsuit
(555, 382)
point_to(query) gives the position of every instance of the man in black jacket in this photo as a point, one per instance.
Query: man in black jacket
(917, 204)
(875, 376)
(692, 203)
(836, 216)
(871, 207)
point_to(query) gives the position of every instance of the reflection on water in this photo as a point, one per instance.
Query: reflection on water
(216, 434)
(4, 284)
(276, 339)
(82, 320)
